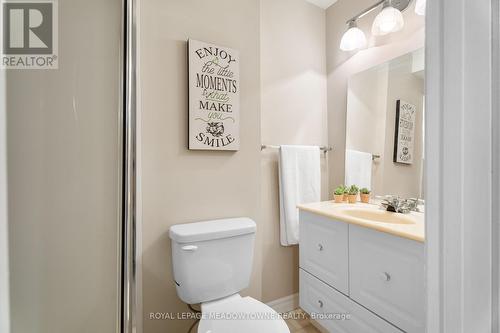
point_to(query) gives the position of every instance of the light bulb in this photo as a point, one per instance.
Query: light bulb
(420, 7)
(353, 39)
(388, 20)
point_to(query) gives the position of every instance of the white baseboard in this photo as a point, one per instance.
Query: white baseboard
(285, 304)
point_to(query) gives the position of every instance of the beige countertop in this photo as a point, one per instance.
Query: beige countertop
(413, 228)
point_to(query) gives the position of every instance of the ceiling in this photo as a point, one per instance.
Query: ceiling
(322, 3)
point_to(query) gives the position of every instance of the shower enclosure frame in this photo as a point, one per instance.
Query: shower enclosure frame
(129, 302)
(131, 293)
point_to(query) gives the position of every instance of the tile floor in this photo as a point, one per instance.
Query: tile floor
(299, 322)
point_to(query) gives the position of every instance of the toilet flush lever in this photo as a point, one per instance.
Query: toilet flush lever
(190, 248)
(385, 276)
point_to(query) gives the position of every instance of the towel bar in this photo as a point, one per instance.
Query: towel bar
(322, 148)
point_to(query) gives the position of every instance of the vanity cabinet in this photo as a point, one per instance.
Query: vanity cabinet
(375, 277)
(387, 276)
(323, 250)
(335, 312)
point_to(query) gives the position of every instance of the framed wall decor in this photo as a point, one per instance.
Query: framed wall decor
(404, 134)
(213, 97)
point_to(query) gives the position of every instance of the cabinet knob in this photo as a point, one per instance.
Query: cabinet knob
(320, 247)
(385, 276)
(320, 303)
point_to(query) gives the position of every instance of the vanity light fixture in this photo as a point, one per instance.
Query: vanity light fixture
(390, 19)
(353, 39)
(420, 7)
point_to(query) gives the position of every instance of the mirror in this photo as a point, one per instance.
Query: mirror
(385, 127)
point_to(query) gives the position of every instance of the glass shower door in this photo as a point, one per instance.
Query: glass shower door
(64, 166)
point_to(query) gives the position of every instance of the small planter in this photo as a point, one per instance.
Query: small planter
(352, 198)
(346, 197)
(365, 197)
(340, 193)
(338, 198)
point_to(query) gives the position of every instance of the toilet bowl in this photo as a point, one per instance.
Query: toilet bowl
(241, 315)
(212, 263)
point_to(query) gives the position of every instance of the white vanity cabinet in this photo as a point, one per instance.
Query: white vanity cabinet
(387, 276)
(336, 312)
(375, 277)
(324, 250)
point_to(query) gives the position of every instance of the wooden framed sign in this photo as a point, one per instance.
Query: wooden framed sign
(404, 134)
(213, 97)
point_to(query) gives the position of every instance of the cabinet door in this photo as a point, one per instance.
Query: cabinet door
(324, 249)
(387, 276)
(335, 311)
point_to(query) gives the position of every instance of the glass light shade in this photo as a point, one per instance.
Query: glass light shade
(388, 20)
(420, 7)
(353, 39)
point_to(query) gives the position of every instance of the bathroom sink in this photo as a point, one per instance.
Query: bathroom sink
(410, 226)
(377, 216)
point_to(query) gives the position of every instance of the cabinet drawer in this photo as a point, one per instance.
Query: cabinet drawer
(335, 311)
(323, 249)
(387, 277)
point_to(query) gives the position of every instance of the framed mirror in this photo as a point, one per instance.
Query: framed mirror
(385, 127)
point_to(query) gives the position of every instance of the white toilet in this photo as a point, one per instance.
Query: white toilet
(212, 263)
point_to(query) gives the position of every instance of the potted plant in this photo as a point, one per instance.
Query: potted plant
(338, 194)
(346, 192)
(364, 193)
(353, 193)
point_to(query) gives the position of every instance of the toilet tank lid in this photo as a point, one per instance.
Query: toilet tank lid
(209, 230)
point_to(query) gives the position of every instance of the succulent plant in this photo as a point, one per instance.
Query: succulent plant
(353, 190)
(340, 190)
(364, 190)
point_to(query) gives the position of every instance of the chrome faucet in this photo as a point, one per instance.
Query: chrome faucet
(393, 203)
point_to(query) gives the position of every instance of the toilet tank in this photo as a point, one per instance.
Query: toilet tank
(212, 259)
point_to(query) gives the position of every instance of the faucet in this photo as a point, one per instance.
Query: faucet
(393, 203)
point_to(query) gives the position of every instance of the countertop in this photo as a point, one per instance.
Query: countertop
(414, 231)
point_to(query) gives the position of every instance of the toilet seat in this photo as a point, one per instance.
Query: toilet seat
(240, 314)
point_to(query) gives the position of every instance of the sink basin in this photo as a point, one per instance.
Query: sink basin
(377, 216)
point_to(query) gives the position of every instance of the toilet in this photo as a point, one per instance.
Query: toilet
(212, 263)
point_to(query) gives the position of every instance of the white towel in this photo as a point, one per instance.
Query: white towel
(299, 182)
(358, 169)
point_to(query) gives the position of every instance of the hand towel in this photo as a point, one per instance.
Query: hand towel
(299, 182)
(358, 168)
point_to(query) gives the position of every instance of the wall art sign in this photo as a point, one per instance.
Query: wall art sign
(404, 135)
(213, 97)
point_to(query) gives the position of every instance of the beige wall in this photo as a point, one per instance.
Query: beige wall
(293, 70)
(181, 186)
(341, 65)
